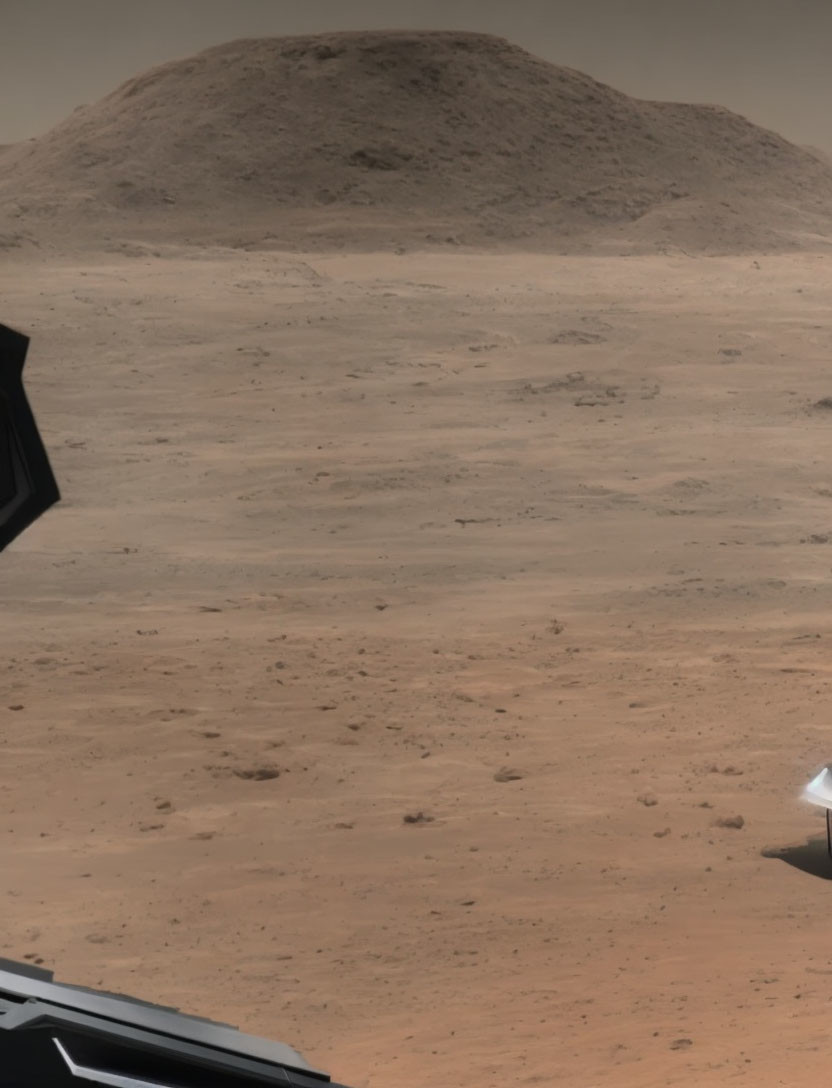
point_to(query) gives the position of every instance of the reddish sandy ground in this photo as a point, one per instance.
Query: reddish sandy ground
(537, 548)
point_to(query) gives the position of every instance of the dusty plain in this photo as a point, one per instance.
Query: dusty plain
(408, 623)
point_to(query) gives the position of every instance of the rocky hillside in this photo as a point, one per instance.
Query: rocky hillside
(394, 138)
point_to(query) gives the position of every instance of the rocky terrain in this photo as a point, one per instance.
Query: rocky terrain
(374, 140)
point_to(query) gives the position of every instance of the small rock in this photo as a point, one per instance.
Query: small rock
(681, 1044)
(661, 834)
(417, 818)
(647, 799)
(506, 774)
(258, 774)
(730, 821)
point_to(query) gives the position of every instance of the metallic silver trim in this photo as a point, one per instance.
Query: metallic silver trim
(99, 1076)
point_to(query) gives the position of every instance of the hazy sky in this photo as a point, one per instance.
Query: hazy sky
(767, 59)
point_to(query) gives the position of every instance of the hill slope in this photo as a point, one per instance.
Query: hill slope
(389, 137)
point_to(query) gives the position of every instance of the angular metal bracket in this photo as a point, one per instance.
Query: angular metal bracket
(27, 485)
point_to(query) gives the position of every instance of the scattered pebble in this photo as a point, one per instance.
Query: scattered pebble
(506, 774)
(257, 774)
(730, 821)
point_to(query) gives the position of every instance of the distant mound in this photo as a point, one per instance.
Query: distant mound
(397, 138)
